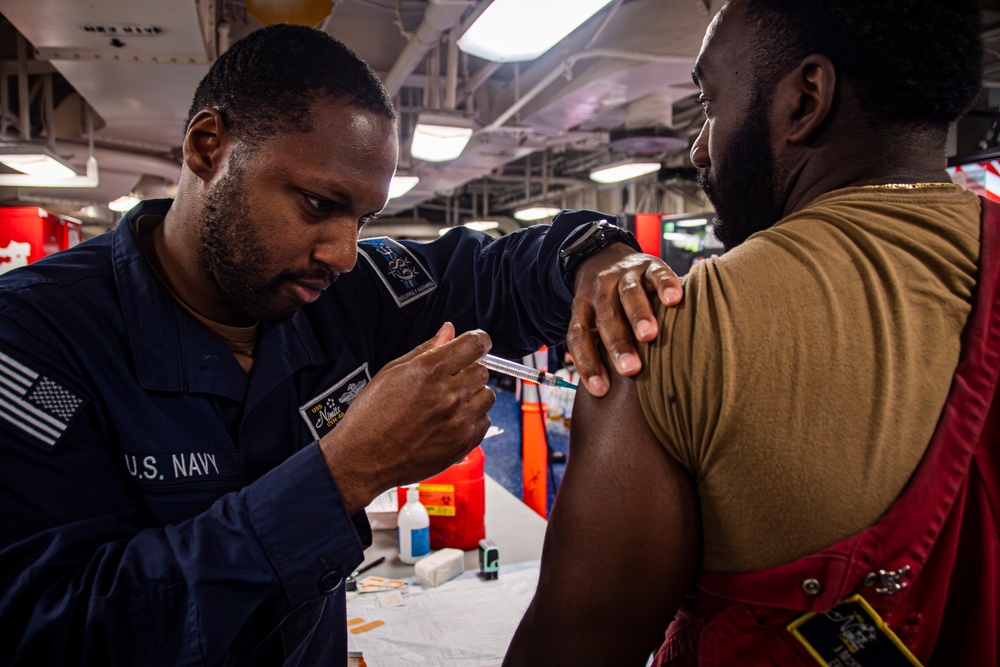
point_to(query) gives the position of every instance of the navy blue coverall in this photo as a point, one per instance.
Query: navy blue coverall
(163, 507)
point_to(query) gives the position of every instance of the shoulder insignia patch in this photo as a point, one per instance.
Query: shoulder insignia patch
(35, 405)
(400, 271)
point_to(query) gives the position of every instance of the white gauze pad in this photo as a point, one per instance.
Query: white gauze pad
(439, 567)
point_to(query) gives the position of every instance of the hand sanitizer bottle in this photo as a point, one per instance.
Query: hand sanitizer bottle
(414, 527)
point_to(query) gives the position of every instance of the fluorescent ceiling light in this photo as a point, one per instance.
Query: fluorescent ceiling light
(440, 137)
(482, 225)
(691, 222)
(23, 180)
(519, 30)
(400, 185)
(536, 213)
(123, 203)
(623, 172)
(690, 242)
(38, 163)
(477, 225)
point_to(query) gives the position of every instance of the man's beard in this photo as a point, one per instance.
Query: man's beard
(743, 189)
(232, 254)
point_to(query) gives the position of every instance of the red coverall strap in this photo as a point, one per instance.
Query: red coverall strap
(930, 566)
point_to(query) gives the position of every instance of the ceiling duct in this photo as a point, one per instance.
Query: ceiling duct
(647, 140)
(440, 16)
(648, 127)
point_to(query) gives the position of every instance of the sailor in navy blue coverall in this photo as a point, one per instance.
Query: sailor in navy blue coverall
(162, 505)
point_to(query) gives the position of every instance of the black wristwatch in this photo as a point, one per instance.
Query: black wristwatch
(587, 241)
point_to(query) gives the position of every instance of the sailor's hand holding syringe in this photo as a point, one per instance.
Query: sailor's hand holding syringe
(418, 415)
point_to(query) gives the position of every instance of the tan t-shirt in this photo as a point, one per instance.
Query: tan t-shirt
(801, 378)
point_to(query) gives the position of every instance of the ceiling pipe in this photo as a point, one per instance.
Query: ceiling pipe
(123, 161)
(527, 176)
(24, 119)
(433, 64)
(568, 62)
(451, 70)
(604, 22)
(476, 80)
(206, 23)
(48, 99)
(440, 16)
(5, 114)
(545, 174)
(553, 180)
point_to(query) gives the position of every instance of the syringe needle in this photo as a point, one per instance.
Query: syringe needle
(565, 383)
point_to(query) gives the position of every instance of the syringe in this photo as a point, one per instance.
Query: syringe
(522, 372)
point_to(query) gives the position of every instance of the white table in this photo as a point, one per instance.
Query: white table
(466, 622)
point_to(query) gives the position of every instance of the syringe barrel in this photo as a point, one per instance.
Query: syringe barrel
(517, 370)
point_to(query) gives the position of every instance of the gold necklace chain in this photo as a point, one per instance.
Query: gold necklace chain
(906, 186)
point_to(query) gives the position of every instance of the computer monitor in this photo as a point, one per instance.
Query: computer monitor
(687, 239)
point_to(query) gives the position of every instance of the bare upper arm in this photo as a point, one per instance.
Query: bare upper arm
(621, 544)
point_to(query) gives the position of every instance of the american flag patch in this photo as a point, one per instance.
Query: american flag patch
(35, 404)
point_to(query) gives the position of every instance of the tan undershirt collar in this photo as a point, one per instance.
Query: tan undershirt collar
(241, 341)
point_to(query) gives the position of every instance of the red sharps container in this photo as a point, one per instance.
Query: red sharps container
(456, 503)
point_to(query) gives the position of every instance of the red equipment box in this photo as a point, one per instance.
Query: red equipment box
(28, 233)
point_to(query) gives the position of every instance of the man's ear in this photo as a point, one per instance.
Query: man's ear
(206, 143)
(806, 96)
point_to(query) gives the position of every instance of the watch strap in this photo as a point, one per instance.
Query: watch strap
(587, 241)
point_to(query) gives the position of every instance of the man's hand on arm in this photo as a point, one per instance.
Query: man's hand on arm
(612, 303)
(419, 414)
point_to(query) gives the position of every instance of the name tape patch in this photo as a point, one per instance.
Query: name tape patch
(400, 271)
(323, 412)
(36, 405)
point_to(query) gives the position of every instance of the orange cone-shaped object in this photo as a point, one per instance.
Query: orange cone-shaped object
(534, 447)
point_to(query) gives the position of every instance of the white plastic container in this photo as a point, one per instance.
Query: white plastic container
(414, 528)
